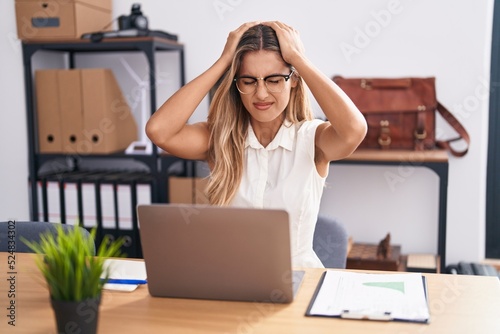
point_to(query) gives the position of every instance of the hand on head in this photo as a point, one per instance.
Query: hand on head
(234, 38)
(289, 39)
(290, 43)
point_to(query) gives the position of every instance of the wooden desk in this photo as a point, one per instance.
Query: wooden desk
(459, 304)
(436, 160)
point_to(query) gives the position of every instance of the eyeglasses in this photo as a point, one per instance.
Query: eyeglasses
(274, 83)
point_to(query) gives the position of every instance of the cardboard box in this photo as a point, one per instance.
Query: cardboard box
(85, 110)
(61, 20)
(422, 263)
(180, 190)
(187, 190)
(200, 187)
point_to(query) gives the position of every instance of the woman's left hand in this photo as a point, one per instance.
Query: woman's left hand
(290, 43)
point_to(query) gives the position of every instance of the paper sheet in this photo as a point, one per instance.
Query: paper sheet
(124, 269)
(372, 296)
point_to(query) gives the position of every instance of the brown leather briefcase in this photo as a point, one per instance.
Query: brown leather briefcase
(401, 113)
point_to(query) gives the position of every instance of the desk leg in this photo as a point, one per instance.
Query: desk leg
(441, 169)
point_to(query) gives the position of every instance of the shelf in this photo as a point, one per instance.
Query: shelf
(108, 45)
(86, 168)
(399, 156)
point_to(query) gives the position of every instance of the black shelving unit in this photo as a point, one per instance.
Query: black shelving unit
(157, 165)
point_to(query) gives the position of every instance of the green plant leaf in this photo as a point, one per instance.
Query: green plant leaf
(68, 265)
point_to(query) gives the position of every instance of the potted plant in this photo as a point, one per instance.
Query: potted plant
(74, 276)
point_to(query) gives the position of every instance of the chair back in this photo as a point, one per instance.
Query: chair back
(10, 234)
(330, 242)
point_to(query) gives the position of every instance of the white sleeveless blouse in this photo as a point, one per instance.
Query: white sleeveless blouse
(283, 175)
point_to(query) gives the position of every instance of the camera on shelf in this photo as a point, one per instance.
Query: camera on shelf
(133, 21)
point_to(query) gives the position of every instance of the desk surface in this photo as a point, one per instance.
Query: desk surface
(459, 304)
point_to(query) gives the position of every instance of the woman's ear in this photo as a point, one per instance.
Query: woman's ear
(295, 79)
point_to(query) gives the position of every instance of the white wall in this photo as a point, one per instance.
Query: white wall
(13, 134)
(447, 39)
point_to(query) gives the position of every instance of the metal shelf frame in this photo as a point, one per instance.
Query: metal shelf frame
(158, 164)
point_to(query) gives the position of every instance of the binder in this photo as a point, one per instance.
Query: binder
(89, 212)
(73, 197)
(91, 201)
(40, 199)
(70, 103)
(129, 195)
(53, 201)
(144, 193)
(354, 295)
(71, 203)
(48, 115)
(111, 200)
(124, 196)
(108, 218)
(108, 124)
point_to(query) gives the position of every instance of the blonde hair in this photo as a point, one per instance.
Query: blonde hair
(228, 120)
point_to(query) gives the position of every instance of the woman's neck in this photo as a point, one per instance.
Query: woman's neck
(265, 132)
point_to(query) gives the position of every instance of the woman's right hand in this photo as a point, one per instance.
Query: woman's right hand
(233, 39)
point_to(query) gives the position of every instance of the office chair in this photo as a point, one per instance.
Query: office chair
(330, 242)
(31, 231)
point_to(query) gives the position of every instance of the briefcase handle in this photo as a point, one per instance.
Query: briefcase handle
(462, 132)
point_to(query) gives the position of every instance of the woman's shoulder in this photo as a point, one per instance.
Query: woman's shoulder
(309, 125)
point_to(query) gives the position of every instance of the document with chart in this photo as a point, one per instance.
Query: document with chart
(372, 296)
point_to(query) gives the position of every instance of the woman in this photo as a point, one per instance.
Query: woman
(261, 141)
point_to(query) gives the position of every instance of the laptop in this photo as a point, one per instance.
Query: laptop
(223, 253)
